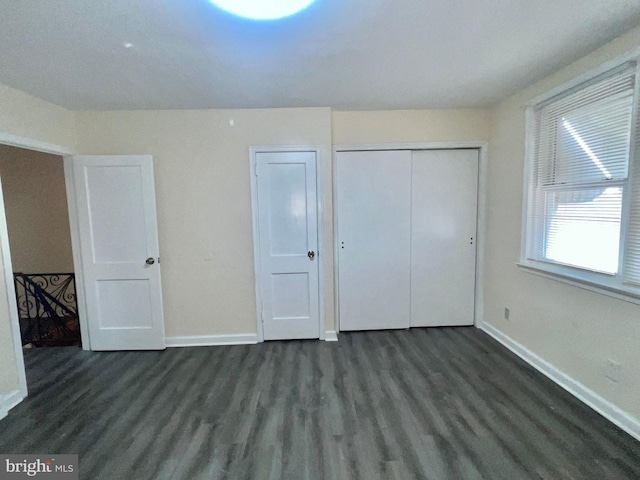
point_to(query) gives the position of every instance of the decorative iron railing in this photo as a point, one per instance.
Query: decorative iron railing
(47, 308)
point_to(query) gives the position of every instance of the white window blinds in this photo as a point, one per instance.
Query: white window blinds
(580, 178)
(631, 271)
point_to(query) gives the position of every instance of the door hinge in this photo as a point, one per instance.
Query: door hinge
(262, 316)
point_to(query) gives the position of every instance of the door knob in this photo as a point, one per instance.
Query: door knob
(150, 261)
(311, 254)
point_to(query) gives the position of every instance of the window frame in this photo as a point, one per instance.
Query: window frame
(608, 284)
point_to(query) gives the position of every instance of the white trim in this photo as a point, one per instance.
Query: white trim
(604, 407)
(74, 227)
(320, 159)
(212, 340)
(330, 336)
(586, 76)
(527, 190)
(10, 400)
(632, 171)
(482, 147)
(561, 276)
(409, 146)
(481, 229)
(11, 298)
(611, 285)
(256, 243)
(336, 236)
(31, 144)
(319, 152)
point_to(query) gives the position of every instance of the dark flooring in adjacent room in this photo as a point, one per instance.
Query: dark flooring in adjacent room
(443, 403)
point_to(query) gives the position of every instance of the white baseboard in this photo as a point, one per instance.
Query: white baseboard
(8, 401)
(330, 336)
(212, 340)
(604, 407)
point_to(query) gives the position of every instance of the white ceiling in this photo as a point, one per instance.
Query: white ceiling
(347, 54)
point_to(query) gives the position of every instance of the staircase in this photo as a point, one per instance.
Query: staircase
(47, 309)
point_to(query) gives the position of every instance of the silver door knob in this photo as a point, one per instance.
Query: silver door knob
(311, 254)
(150, 261)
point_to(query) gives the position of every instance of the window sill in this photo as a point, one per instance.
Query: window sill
(631, 295)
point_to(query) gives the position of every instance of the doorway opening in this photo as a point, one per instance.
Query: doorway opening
(35, 198)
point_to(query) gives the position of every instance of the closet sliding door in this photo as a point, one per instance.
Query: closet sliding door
(406, 238)
(444, 210)
(374, 239)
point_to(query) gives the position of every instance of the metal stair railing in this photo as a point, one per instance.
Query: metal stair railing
(47, 308)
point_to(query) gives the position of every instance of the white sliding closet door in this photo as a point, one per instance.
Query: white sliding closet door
(374, 234)
(443, 239)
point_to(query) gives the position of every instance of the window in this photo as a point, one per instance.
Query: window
(583, 207)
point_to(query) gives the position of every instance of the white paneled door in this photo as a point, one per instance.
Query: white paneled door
(120, 254)
(443, 237)
(287, 221)
(374, 235)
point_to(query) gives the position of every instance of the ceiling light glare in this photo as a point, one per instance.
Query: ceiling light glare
(262, 9)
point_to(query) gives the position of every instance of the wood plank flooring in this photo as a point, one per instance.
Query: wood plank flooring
(440, 403)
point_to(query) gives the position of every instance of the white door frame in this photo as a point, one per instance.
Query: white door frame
(36, 145)
(253, 151)
(74, 224)
(482, 147)
(11, 301)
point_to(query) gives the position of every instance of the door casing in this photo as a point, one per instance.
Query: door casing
(253, 151)
(65, 153)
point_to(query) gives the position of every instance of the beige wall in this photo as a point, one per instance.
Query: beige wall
(28, 117)
(410, 126)
(574, 329)
(203, 191)
(24, 116)
(35, 200)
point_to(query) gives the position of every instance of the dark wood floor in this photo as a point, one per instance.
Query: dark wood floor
(427, 403)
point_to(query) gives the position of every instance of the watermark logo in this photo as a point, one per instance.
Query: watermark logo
(50, 467)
